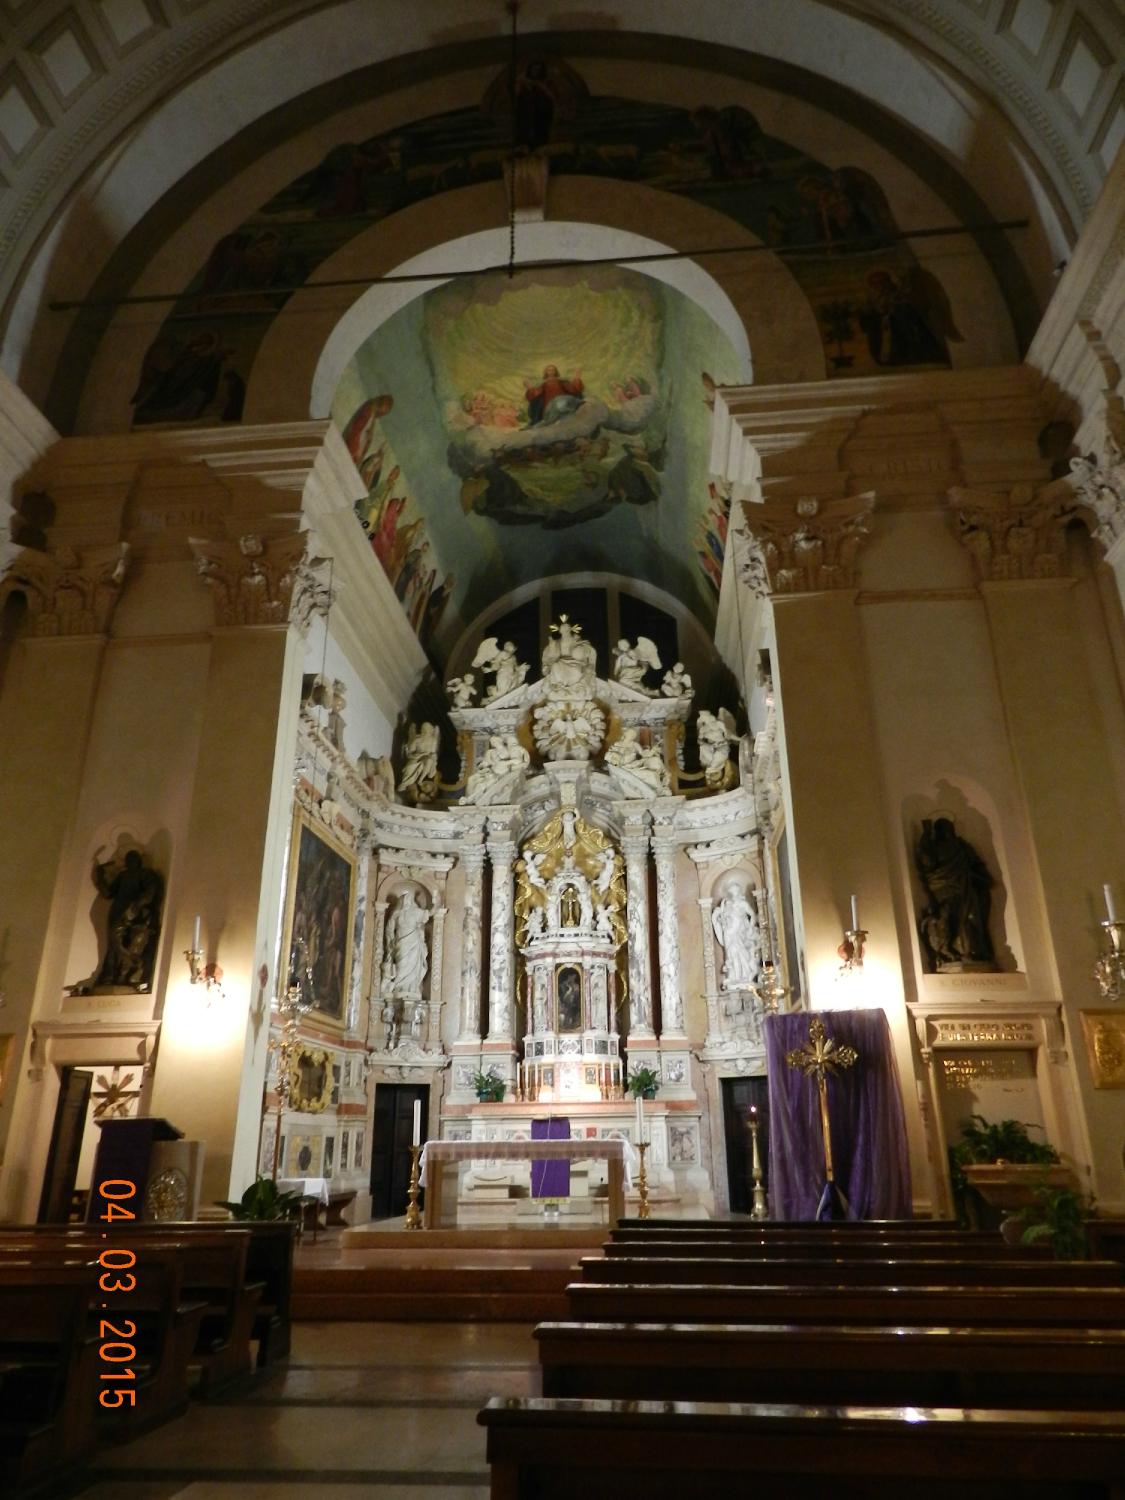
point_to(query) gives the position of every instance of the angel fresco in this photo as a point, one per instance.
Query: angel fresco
(907, 318)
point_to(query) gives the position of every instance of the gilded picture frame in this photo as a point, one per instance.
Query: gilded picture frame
(1104, 1031)
(310, 1080)
(320, 907)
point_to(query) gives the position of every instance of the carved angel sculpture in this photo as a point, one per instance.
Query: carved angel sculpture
(508, 673)
(715, 735)
(644, 762)
(495, 775)
(630, 663)
(677, 682)
(461, 690)
(419, 760)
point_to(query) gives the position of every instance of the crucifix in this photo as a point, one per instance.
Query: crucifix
(818, 1060)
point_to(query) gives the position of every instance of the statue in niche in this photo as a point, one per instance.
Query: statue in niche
(569, 663)
(954, 926)
(715, 734)
(631, 663)
(419, 756)
(135, 895)
(391, 1016)
(494, 777)
(599, 998)
(500, 660)
(736, 927)
(418, 1022)
(677, 682)
(569, 896)
(406, 960)
(539, 992)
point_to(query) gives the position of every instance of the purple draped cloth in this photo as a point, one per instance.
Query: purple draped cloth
(550, 1179)
(869, 1155)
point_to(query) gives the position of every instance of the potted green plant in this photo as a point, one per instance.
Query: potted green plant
(489, 1087)
(643, 1083)
(263, 1199)
(1001, 1162)
(1058, 1215)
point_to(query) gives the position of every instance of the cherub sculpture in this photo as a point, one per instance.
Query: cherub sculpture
(631, 663)
(677, 682)
(462, 690)
(715, 734)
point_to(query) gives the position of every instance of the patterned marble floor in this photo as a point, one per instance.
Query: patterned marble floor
(380, 1409)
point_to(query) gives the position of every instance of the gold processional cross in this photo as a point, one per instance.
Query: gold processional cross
(819, 1059)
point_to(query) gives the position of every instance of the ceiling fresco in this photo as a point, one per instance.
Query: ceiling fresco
(875, 306)
(509, 429)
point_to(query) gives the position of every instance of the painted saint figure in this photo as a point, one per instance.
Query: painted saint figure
(553, 397)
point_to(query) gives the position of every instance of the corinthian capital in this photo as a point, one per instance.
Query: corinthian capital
(1099, 486)
(1017, 533)
(805, 546)
(252, 580)
(68, 592)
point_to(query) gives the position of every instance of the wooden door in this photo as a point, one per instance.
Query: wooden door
(390, 1149)
(738, 1095)
(66, 1145)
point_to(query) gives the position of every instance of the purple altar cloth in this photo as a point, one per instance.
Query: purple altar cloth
(550, 1179)
(869, 1154)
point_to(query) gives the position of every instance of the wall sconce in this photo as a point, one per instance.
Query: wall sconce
(209, 975)
(855, 939)
(1109, 971)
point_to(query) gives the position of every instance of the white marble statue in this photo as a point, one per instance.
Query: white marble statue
(735, 924)
(603, 922)
(539, 999)
(569, 663)
(599, 998)
(568, 731)
(495, 775)
(536, 921)
(604, 878)
(419, 759)
(533, 869)
(715, 734)
(644, 762)
(508, 672)
(630, 663)
(406, 959)
(677, 682)
(462, 690)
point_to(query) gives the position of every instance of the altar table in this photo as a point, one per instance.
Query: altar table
(619, 1154)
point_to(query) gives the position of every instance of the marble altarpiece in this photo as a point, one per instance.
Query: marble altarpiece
(530, 920)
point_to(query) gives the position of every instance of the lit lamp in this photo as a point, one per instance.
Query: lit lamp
(210, 974)
(855, 939)
(1109, 971)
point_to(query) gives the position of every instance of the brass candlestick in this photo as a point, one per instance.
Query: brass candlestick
(413, 1216)
(642, 1182)
(760, 1209)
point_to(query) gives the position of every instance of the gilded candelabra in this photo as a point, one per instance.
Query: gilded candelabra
(760, 1209)
(771, 989)
(642, 1182)
(1109, 971)
(413, 1214)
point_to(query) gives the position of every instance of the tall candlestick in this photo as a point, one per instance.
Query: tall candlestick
(640, 1119)
(417, 1138)
(195, 933)
(855, 915)
(1110, 908)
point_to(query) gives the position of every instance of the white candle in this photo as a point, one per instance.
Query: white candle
(640, 1119)
(417, 1122)
(1110, 908)
(855, 915)
(195, 935)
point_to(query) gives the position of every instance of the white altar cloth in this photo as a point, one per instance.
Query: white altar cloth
(307, 1187)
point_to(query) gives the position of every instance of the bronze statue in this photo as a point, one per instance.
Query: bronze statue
(954, 926)
(135, 895)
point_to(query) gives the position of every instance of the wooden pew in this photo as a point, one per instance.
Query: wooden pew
(843, 1226)
(269, 1261)
(727, 1271)
(214, 1273)
(748, 1247)
(821, 1233)
(165, 1325)
(1079, 1368)
(963, 1307)
(48, 1369)
(541, 1449)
